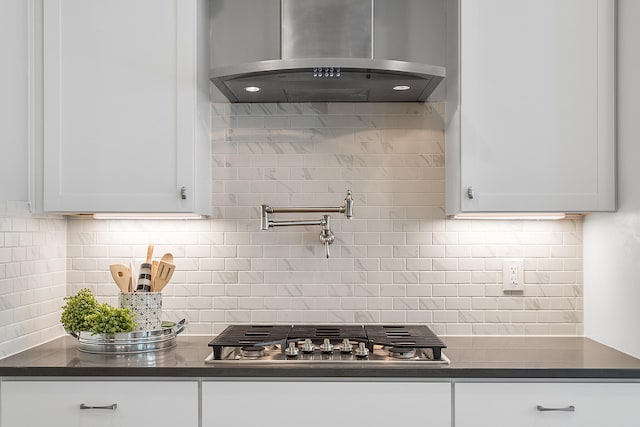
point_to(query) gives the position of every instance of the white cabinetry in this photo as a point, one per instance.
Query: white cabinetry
(137, 403)
(126, 106)
(530, 112)
(318, 403)
(516, 404)
(14, 15)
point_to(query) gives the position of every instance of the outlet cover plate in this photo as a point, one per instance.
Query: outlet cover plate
(513, 275)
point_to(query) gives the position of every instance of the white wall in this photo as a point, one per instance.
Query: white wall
(32, 277)
(612, 241)
(398, 260)
(13, 100)
(32, 249)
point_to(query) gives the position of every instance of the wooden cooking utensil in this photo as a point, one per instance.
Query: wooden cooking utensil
(121, 275)
(154, 271)
(133, 282)
(149, 253)
(165, 271)
(168, 258)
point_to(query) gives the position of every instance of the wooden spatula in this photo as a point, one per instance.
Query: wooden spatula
(165, 271)
(121, 275)
(154, 271)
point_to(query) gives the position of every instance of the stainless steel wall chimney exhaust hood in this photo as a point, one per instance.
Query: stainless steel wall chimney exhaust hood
(327, 50)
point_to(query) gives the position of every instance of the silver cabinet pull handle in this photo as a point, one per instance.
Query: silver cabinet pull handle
(570, 408)
(470, 193)
(110, 407)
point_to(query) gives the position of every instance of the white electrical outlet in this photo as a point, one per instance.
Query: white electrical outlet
(512, 274)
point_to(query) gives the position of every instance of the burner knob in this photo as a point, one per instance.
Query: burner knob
(326, 346)
(362, 350)
(292, 350)
(307, 346)
(345, 346)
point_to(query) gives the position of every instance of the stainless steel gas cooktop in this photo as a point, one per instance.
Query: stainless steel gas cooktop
(389, 345)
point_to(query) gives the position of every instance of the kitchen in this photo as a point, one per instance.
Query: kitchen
(397, 261)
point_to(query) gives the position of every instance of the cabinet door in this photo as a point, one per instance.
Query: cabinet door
(319, 403)
(537, 105)
(516, 404)
(120, 105)
(58, 403)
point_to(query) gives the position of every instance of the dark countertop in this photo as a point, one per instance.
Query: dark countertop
(471, 357)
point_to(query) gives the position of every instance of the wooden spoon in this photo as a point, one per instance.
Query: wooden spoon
(121, 275)
(168, 258)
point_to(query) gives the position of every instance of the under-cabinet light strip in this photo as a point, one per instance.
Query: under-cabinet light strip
(146, 216)
(507, 217)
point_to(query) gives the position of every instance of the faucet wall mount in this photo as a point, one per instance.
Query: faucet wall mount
(326, 235)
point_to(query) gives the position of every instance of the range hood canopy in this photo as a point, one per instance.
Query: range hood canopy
(327, 55)
(327, 80)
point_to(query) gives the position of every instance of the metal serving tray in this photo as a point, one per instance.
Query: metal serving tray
(130, 342)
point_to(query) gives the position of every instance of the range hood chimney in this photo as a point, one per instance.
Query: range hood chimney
(327, 50)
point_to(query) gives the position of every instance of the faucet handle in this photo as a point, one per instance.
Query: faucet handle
(348, 205)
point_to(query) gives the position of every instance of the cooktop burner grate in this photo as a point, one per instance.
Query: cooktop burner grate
(405, 336)
(249, 335)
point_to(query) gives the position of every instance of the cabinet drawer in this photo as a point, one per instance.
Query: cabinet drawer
(58, 403)
(547, 404)
(322, 403)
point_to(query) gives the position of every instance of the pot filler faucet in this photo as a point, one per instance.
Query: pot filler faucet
(326, 235)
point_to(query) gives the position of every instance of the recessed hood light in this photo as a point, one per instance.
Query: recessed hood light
(401, 87)
(252, 89)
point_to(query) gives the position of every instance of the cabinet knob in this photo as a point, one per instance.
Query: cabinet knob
(470, 192)
(183, 193)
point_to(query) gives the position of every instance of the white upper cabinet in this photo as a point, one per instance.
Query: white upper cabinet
(126, 106)
(14, 102)
(530, 111)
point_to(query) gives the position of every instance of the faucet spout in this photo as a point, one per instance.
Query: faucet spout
(326, 235)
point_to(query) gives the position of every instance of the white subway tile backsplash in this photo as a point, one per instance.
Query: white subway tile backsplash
(398, 260)
(32, 277)
(393, 264)
(367, 290)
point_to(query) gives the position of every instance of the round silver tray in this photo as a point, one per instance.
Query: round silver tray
(130, 342)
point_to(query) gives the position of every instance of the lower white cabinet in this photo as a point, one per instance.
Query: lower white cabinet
(547, 404)
(105, 403)
(316, 403)
(325, 403)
